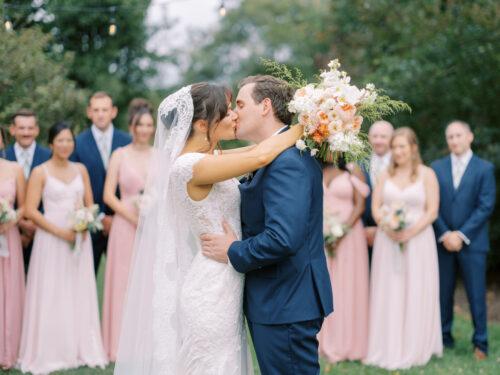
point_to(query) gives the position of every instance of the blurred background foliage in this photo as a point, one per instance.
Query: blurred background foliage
(440, 56)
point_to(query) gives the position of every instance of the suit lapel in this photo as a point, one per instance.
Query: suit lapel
(11, 154)
(36, 156)
(93, 145)
(468, 173)
(114, 141)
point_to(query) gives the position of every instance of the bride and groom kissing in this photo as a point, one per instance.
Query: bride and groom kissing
(211, 249)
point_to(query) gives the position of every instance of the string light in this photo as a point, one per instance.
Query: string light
(112, 23)
(8, 25)
(222, 9)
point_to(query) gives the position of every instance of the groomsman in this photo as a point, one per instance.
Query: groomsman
(467, 189)
(379, 136)
(93, 148)
(24, 128)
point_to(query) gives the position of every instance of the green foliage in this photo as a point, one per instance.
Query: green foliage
(382, 108)
(293, 77)
(31, 79)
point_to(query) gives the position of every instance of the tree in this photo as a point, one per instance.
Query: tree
(118, 64)
(30, 79)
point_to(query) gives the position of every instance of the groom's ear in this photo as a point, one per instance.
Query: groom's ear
(267, 106)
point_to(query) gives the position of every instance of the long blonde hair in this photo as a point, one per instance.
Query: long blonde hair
(416, 160)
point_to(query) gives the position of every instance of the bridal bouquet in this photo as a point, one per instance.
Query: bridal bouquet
(333, 231)
(83, 219)
(395, 218)
(7, 214)
(332, 111)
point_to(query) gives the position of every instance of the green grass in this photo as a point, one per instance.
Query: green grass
(457, 361)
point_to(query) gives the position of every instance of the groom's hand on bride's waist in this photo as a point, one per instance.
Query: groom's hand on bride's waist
(216, 246)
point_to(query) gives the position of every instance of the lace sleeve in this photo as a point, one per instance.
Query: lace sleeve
(182, 171)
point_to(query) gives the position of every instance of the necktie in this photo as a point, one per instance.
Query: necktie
(457, 173)
(103, 143)
(376, 169)
(25, 163)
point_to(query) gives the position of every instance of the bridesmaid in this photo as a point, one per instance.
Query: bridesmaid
(344, 334)
(127, 171)
(61, 318)
(404, 306)
(12, 189)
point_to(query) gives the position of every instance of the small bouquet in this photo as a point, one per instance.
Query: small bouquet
(333, 231)
(7, 214)
(83, 219)
(395, 218)
(332, 111)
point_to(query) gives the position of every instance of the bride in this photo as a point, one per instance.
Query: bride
(183, 313)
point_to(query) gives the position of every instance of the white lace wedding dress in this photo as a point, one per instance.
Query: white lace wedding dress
(211, 312)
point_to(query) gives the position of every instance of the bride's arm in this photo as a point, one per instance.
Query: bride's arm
(217, 168)
(237, 150)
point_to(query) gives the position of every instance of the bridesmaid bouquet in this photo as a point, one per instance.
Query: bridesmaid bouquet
(83, 219)
(333, 231)
(332, 111)
(395, 218)
(7, 214)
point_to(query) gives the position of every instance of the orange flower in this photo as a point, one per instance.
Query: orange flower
(323, 117)
(347, 107)
(356, 125)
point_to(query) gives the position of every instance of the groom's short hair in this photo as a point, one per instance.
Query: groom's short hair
(278, 91)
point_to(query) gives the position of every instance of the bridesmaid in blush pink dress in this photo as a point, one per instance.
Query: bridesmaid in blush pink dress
(405, 327)
(344, 334)
(12, 189)
(127, 170)
(61, 317)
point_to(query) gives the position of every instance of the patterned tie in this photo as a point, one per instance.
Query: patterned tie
(25, 155)
(103, 143)
(457, 173)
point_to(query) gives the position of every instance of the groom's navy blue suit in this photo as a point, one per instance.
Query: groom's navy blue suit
(287, 289)
(466, 209)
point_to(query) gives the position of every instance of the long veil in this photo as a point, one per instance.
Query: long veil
(150, 331)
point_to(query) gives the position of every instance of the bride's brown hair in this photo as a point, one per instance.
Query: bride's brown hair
(416, 160)
(209, 103)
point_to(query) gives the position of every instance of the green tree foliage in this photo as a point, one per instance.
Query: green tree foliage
(439, 56)
(30, 79)
(118, 64)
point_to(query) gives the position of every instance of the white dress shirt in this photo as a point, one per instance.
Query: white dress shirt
(378, 164)
(459, 164)
(104, 140)
(25, 157)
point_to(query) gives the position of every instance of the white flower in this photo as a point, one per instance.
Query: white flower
(314, 151)
(301, 145)
(337, 230)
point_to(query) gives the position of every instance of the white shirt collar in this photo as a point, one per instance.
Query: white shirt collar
(280, 130)
(464, 158)
(385, 158)
(98, 133)
(19, 150)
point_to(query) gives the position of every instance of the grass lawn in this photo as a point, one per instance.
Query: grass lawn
(456, 361)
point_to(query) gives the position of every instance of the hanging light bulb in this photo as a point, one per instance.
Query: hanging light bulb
(222, 9)
(8, 25)
(112, 22)
(112, 28)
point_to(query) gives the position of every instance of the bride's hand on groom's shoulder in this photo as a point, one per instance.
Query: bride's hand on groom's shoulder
(216, 246)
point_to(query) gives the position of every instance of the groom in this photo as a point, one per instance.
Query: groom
(287, 291)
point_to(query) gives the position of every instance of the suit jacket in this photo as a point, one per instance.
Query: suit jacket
(87, 153)
(41, 155)
(367, 214)
(282, 251)
(468, 208)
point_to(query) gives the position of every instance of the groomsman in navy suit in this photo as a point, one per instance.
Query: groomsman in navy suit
(379, 136)
(467, 189)
(28, 154)
(93, 148)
